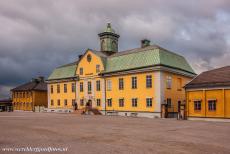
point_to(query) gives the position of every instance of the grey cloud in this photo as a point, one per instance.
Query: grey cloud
(38, 35)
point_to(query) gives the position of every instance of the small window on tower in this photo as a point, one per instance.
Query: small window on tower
(89, 58)
(114, 45)
(102, 45)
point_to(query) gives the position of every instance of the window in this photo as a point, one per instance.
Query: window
(169, 102)
(98, 85)
(58, 88)
(109, 85)
(81, 86)
(179, 84)
(212, 105)
(114, 45)
(59, 102)
(134, 102)
(65, 102)
(52, 102)
(148, 81)
(97, 68)
(121, 83)
(81, 71)
(73, 87)
(73, 102)
(168, 82)
(82, 102)
(109, 102)
(89, 58)
(197, 105)
(134, 82)
(98, 102)
(51, 89)
(65, 88)
(103, 45)
(121, 102)
(149, 102)
(89, 87)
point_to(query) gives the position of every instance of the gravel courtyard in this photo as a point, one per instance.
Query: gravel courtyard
(110, 134)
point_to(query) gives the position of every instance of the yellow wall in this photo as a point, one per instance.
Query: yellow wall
(61, 96)
(90, 74)
(222, 105)
(89, 67)
(40, 98)
(141, 93)
(176, 92)
(26, 100)
(227, 103)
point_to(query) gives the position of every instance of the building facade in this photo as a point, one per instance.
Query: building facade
(135, 82)
(62, 88)
(6, 105)
(208, 95)
(29, 95)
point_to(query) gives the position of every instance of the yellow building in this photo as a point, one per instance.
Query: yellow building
(208, 95)
(29, 95)
(62, 88)
(136, 82)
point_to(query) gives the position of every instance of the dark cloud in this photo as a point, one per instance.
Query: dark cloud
(38, 35)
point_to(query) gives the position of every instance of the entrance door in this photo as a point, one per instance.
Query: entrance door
(181, 111)
(89, 103)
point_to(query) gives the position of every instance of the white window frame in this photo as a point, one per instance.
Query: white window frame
(134, 102)
(149, 81)
(169, 82)
(109, 85)
(149, 102)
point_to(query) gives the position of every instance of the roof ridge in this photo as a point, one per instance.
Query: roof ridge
(69, 64)
(215, 69)
(166, 50)
(134, 50)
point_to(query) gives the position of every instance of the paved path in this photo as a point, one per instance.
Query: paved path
(106, 134)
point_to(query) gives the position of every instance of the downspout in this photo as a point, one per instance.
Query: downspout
(204, 96)
(223, 91)
(33, 107)
(105, 96)
(75, 103)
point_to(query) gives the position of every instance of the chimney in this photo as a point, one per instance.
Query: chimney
(38, 79)
(79, 56)
(41, 78)
(145, 43)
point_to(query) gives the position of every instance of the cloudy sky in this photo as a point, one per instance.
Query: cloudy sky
(38, 35)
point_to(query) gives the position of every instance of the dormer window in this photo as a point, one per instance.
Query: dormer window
(97, 68)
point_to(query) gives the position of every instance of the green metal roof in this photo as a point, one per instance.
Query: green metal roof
(63, 72)
(149, 56)
(144, 57)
